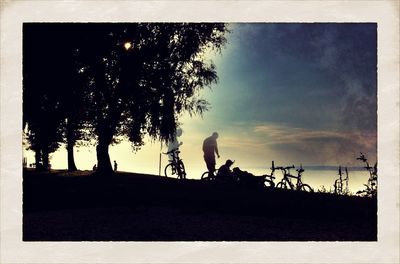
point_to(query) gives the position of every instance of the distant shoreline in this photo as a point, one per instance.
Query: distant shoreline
(324, 168)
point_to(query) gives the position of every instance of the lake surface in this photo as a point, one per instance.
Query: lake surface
(316, 178)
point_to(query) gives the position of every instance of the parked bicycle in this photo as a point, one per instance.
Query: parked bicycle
(175, 167)
(206, 176)
(286, 182)
(269, 178)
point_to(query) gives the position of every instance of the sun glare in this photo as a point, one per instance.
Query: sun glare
(127, 45)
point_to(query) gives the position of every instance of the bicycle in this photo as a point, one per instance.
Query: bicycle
(286, 182)
(175, 166)
(207, 177)
(269, 178)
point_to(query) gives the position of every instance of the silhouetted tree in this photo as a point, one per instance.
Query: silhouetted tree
(43, 125)
(115, 80)
(73, 106)
(141, 77)
(53, 89)
(41, 107)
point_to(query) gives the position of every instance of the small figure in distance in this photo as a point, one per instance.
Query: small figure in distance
(173, 143)
(210, 148)
(225, 173)
(95, 167)
(115, 165)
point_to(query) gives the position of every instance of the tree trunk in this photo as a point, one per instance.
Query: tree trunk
(71, 160)
(45, 158)
(103, 159)
(70, 148)
(37, 159)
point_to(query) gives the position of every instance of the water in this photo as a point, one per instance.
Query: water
(317, 179)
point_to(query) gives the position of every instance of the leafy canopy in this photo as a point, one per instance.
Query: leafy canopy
(141, 77)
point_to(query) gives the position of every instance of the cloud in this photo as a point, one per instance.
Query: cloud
(320, 79)
(320, 75)
(318, 146)
(285, 134)
(241, 142)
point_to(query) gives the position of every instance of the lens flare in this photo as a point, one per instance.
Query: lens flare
(127, 45)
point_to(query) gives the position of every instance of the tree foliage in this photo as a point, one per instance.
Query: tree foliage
(132, 79)
(41, 105)
(53, 93)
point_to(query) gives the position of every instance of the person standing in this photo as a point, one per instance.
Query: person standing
(115, 165)
(210, 148)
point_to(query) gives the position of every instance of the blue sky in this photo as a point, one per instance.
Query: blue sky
(297, 92)
(310, 75)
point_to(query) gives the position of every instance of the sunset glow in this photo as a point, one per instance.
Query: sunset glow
(293, 93)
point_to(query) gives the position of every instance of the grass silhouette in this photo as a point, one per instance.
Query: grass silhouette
(80, 206)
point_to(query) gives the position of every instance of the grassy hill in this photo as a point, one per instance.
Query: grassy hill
(62, 206)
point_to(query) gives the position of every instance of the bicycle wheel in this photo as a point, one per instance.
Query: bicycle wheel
(306, 188)
(282, 185)
(170, 170)
(206, 176)
(269, 184)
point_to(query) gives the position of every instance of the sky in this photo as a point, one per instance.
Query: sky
(294, 93)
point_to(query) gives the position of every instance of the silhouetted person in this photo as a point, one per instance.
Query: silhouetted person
(225, 173)
(210, 148)
(94, 167)
(115, 165)
(174, 144)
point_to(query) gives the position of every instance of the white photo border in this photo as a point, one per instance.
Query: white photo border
(15, 13)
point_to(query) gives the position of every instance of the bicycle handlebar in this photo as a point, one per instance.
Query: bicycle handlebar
(285, 168)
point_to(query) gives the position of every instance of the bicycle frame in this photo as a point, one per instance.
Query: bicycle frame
(176, 164)
(287, 179)
(269, 178)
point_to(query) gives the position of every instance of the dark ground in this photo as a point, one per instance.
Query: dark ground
(59, 206)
